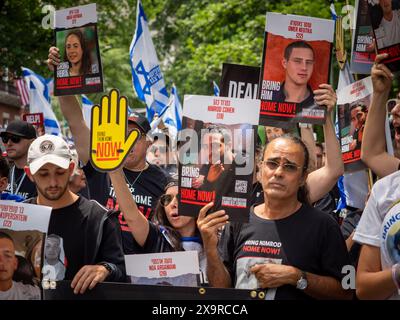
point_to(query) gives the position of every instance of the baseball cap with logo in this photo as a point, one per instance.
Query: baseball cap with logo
(48, 149)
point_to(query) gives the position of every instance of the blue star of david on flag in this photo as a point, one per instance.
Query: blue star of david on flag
(147, 77)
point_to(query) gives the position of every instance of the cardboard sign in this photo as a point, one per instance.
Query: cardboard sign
(363, 49)
(296, 60)
(110, 143)
(385, 21)
(27, 225)
(217, 162)
(170, 268)
(239, 81)
(80, 68)
(35, 119)
(353, 102)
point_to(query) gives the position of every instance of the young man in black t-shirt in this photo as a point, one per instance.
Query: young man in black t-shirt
(145, 181)
(288, 248)
(17, 138)
(90, 245)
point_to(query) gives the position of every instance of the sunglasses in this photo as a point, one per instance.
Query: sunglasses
(287, 167)
(166, 199)
(14, 139)
(390, 104)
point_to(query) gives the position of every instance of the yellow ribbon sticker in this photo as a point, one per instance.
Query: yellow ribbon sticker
(109, 141)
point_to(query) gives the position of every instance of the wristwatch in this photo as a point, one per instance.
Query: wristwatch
(107, 266)
(302, 283)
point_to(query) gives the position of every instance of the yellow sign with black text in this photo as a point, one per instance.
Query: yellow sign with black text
(109, 141)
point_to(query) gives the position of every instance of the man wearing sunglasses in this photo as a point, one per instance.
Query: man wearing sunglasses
(17, 138)
(288, 248)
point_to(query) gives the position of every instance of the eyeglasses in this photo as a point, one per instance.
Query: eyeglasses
(166, 199)
(391, 103)
(287, 167)
(14, 139)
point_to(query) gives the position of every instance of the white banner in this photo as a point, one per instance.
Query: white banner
(300, 27)
(19, 216)
(75, 17)
(221, 110)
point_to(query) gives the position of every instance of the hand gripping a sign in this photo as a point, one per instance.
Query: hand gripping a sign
(109, 143)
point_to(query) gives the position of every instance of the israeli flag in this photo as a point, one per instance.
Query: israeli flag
(172, 118)
(147, 78)
(216, 89)
(40, 101)
(87, 109)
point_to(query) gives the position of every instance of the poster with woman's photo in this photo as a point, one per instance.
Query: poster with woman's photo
(353, 102)
(385, 21)
(363, 48)
(217, 155)
(79, 70)
(296, 60)
(23, 229)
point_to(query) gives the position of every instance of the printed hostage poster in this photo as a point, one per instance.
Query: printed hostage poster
(385, 21)
(239, 81)
(353, 102)
(179, 268)
(23, 229)
(217, 155)
(296, 60)
(80, 68)
(363, 49)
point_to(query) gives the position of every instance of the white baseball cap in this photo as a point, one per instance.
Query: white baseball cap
(48, 149)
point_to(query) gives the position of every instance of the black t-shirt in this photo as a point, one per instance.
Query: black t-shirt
(146, 187)
(77, 228)
(23, 186)
(257, 194)
(307, 239)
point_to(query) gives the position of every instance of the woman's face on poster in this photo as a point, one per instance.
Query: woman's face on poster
(74, 49)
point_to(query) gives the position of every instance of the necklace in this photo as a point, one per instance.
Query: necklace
(136, 179)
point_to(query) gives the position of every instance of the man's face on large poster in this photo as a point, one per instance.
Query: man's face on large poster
(299, 66)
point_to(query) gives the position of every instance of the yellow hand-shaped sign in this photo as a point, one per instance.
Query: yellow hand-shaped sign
(109, 143)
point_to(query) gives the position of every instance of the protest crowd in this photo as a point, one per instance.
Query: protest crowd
(307, 219)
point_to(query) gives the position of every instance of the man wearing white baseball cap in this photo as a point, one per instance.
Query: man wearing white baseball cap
(89, 259)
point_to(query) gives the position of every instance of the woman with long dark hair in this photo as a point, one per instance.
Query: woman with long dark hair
(77, 53)
(168, 231)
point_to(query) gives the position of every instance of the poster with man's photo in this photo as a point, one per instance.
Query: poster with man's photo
(167, 268)
(217, 155)
(353, 102)
(23, 229)
(79, 70)
(239, 81)
(385, 21)
(363, 48)
(296, 60)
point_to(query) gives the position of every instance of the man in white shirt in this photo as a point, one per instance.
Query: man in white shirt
(9, 289)
(388, 32)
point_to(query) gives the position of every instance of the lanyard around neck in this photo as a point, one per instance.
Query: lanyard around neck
(13, 181)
